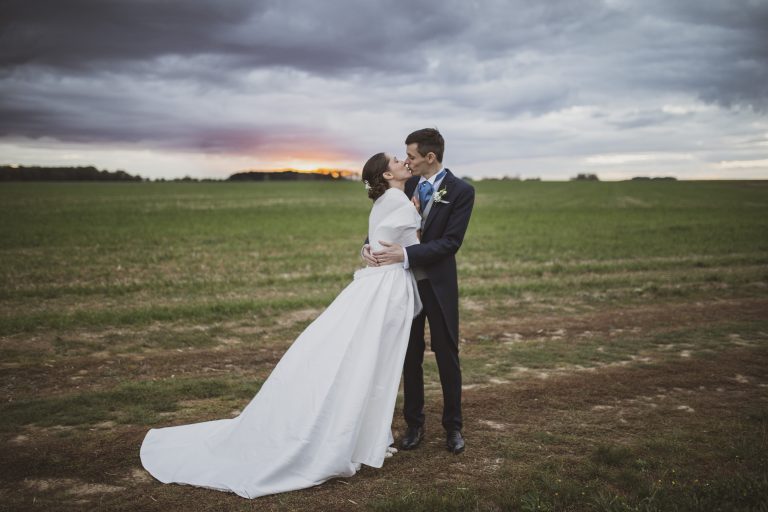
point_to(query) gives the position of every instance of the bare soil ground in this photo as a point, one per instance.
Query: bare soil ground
(671, 417)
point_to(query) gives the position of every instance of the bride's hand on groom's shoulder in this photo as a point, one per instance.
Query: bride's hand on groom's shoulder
(416, 203)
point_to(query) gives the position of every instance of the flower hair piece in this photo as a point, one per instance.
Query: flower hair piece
(367, 185)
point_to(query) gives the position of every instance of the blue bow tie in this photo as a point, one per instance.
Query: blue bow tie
(426, 190)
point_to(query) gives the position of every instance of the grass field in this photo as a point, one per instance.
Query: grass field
(614, 341)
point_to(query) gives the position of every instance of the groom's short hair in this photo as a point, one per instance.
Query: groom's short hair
(428, 140)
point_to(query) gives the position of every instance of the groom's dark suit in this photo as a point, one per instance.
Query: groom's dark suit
(442, 235)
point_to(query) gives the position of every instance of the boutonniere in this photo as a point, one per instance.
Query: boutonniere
(439, 196)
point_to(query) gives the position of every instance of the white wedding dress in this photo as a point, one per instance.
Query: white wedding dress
(327, 406)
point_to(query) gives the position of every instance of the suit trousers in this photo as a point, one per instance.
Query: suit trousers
(447, 356)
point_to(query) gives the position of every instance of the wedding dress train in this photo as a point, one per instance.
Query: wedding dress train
(327, 406)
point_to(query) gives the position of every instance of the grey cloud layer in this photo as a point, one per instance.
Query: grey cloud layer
(126, 71)
(83, 35)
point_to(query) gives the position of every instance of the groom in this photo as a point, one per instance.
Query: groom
(445, 203)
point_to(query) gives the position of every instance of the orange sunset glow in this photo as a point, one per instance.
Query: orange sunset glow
(334, 173)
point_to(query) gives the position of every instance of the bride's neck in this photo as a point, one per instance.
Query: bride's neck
(400, 185)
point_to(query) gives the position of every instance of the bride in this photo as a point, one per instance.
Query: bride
(327, 406)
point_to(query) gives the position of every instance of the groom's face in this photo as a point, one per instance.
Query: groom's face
(417, 163)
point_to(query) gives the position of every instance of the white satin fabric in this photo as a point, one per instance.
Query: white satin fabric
(327, 406)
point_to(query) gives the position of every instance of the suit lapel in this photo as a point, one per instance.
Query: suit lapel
(413, 182)
(431, 210)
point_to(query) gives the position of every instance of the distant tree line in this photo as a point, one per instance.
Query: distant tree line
(281, 176)
(187, 179)
(506, 177)
(585, 177)
(90, 173)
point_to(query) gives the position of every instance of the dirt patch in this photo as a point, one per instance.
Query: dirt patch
(558, 417)
(299, 316)
(70, 486)
(618, 321)
(229, 341)
(137, 475)
(495, 425)
(248, 360)
(510, 424)
(55, 378)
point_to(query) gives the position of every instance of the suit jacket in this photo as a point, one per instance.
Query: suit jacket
(441, 238)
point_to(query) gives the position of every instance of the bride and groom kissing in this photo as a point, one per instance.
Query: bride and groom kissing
(328, 404)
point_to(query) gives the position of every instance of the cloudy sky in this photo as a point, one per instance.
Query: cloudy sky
(167, 88)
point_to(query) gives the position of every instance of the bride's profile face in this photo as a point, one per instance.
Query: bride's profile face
(398, 169)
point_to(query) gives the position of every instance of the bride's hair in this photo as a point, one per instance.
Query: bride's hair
(373, 175)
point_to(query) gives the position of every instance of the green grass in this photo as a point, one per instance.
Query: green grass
(130, 402)
(90, 254)
(141, 314)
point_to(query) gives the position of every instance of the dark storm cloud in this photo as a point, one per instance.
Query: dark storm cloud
(82, 35)
(37, 117)
(210, 44)
(136, 70)
(718, 49)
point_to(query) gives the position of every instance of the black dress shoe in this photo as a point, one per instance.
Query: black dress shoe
(454, 442)
(413, 437)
